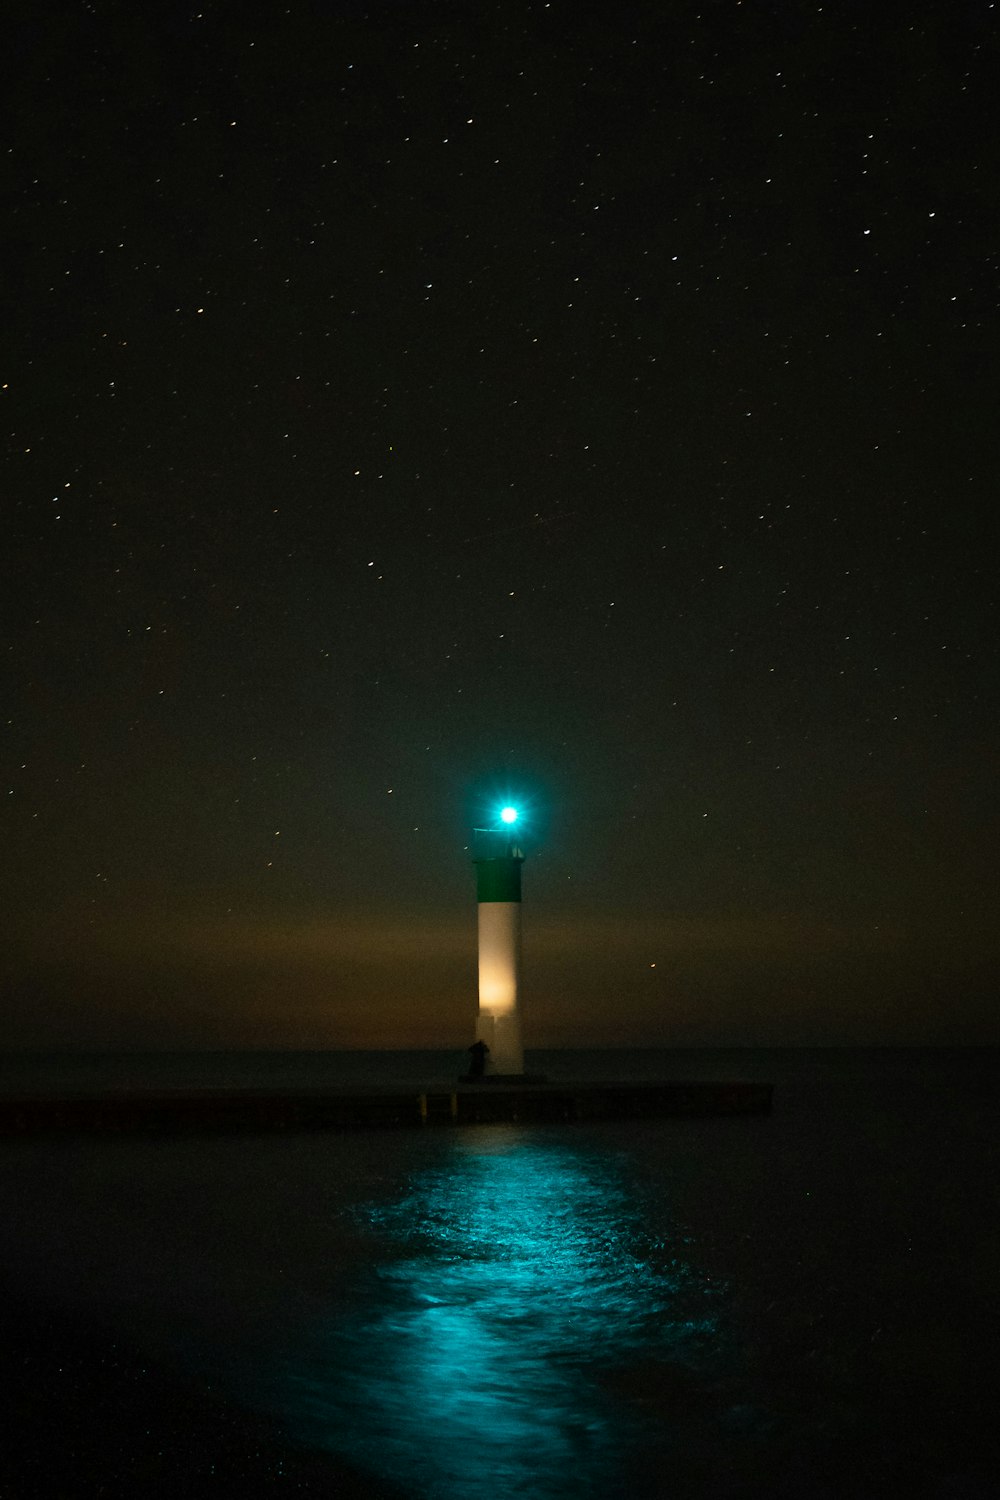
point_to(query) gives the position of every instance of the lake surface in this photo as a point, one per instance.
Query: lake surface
(798, 1304)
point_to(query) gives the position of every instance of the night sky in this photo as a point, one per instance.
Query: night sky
(412, 405)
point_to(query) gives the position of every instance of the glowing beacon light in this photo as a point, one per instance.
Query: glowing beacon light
(508, 815)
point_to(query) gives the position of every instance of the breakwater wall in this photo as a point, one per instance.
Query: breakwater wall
(465, 1104)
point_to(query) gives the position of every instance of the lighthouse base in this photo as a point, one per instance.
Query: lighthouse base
(502, 1035)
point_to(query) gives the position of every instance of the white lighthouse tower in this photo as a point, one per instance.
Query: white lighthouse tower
(498, 863)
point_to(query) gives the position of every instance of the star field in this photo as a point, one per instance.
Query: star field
(409, 405)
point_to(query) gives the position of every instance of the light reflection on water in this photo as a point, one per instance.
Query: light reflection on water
(506, 1286)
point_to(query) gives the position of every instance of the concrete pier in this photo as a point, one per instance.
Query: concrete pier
(389, 1108)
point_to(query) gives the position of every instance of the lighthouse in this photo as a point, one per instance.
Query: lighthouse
(498, 862)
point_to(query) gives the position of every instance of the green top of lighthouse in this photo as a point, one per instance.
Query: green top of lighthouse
(499, 879)
(498, 860)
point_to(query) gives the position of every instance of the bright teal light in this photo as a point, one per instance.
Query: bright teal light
(508, 814)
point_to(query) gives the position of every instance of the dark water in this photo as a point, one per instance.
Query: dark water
(798, 1305)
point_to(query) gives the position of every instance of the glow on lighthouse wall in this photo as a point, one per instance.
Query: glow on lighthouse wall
(498, 887)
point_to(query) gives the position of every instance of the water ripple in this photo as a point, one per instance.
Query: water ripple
(507, 1286)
